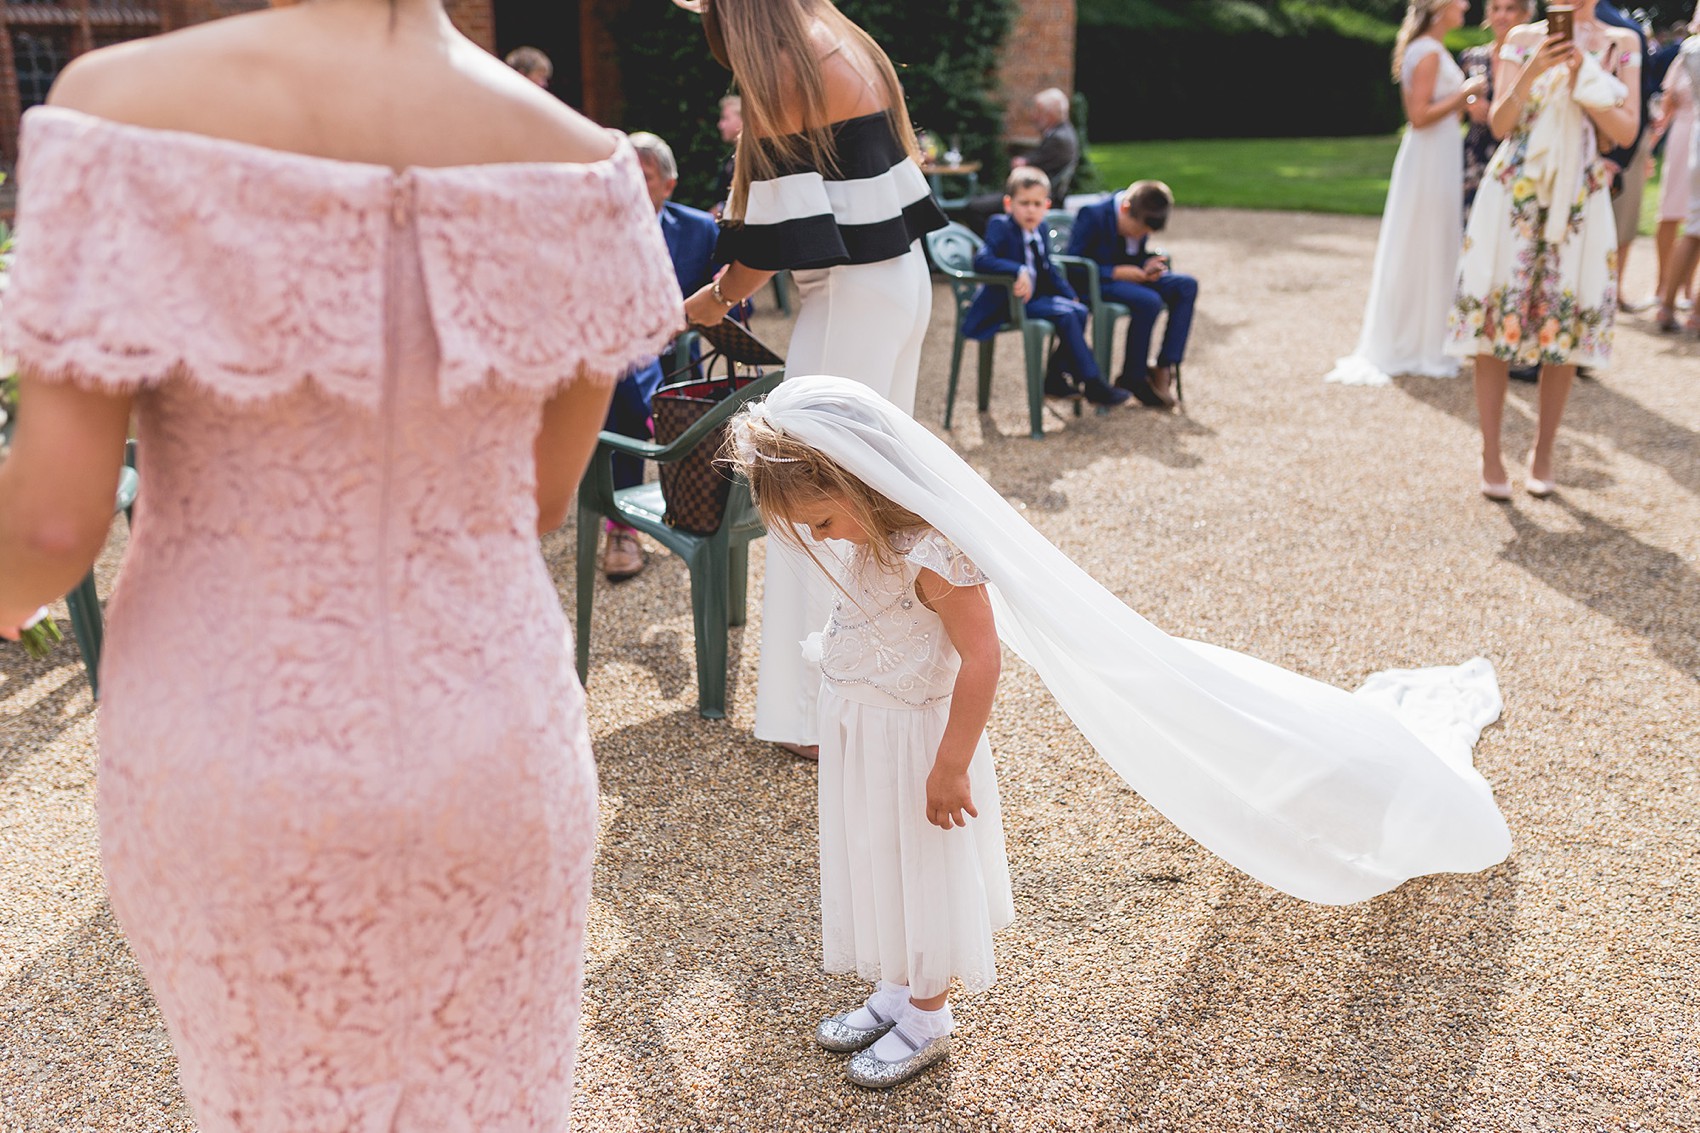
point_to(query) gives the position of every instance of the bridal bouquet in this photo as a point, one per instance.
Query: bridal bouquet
(39, 635)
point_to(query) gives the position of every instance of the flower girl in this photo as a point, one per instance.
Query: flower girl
(1330, 796)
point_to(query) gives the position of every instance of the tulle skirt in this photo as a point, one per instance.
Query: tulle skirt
(901, 899)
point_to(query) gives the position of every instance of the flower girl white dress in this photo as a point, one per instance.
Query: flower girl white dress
(901, 899)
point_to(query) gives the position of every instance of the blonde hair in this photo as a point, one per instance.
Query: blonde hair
(774, 62)
(787, 477)
(1026, 177)
(1419, 14)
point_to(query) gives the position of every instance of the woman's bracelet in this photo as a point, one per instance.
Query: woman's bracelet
(720, 297)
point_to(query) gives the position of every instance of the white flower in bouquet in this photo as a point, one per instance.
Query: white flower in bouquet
(40, 634)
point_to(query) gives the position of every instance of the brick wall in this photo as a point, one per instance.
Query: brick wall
(1039, 54)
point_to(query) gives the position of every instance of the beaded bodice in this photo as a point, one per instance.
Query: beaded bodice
(882, 645)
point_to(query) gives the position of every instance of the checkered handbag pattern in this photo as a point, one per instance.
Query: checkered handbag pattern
(696, 487)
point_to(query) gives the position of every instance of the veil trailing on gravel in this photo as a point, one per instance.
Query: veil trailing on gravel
(1330, 796)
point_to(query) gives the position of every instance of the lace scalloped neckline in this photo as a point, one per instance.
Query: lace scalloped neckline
(192, 139)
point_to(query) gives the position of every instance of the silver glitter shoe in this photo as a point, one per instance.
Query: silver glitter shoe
(868, 1070)
(836, 1034)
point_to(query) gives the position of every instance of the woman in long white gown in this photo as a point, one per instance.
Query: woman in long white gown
(1416, 257)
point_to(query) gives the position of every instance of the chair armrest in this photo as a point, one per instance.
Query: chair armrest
(1088, 270)
(631, 446)
(1017, 313)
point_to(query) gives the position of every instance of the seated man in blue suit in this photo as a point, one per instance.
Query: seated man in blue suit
(690, 235)
(1015, 246)
(1113, 233)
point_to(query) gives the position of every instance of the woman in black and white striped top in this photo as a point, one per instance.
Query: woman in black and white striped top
(827, 185)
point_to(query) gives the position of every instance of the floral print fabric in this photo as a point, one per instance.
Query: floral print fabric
(1522, 297)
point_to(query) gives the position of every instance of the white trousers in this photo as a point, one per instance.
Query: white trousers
(861, 321)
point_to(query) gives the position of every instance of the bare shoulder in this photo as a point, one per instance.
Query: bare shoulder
(539, 126)
(295, 79)
(124, 82)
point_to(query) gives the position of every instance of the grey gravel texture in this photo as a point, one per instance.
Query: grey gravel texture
(1145, 985)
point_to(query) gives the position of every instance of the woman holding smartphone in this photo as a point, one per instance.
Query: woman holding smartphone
(1538, 281)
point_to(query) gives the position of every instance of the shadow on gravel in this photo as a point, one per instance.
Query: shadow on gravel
(1303, 1017)
(707, 869)
(658, 596)
(1595, 410)
(1648, 591)
(1026, 472)
(58, 700)
(82, 1045)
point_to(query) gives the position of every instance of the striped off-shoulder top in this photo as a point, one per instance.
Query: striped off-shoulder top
(871, 208)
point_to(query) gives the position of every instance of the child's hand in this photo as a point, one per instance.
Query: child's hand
(1024, 285)
(948, 798)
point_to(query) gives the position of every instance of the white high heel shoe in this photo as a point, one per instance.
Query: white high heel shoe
(1537, 487)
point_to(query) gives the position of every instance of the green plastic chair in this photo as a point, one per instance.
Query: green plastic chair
(952, 250)
(1083, 274)
(88, 624)
(719, 564)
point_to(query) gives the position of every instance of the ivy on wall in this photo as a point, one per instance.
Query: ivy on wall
(946, 53)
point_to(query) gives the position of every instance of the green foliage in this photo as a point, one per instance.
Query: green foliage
(1348, 23)
(1157, 68)
(1339, 175)
(946, 53)
(1467, 36)
(1086, 176)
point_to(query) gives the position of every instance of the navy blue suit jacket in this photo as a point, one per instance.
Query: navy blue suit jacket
(1095, 237)
(690, 235)
(1003, 254)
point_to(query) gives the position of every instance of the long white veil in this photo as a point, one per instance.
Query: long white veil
(1329, 796)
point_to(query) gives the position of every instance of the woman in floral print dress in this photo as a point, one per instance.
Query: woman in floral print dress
(1537, 285)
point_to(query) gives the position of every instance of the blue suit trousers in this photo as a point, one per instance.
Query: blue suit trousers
(1173, 292)
(1074, 353)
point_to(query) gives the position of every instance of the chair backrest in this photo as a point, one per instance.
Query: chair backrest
(953, 248)
(1059, 226)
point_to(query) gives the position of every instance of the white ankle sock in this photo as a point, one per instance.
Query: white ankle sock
(882, 1006)
(921, 1026)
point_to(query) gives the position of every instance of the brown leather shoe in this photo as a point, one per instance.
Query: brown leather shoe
(622, 556)
(1163, 385)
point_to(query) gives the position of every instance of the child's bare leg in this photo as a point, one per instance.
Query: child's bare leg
(931, 1004)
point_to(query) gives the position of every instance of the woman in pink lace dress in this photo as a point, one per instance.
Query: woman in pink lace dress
(364, 290)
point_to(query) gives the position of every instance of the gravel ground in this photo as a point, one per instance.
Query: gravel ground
(1145, 985)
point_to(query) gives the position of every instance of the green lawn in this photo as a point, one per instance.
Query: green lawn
(1347, 175)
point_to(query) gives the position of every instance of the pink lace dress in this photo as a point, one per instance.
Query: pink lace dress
(347, 801)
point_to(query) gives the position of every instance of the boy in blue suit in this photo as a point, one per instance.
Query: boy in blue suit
(690, 235)
(1113, 233)
(1015, 246)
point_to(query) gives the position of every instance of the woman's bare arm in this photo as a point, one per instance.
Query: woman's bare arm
(1619, 124)
(565, 440)
(57, 491)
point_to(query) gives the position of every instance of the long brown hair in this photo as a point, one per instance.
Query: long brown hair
(787, 478)
(775, 63)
